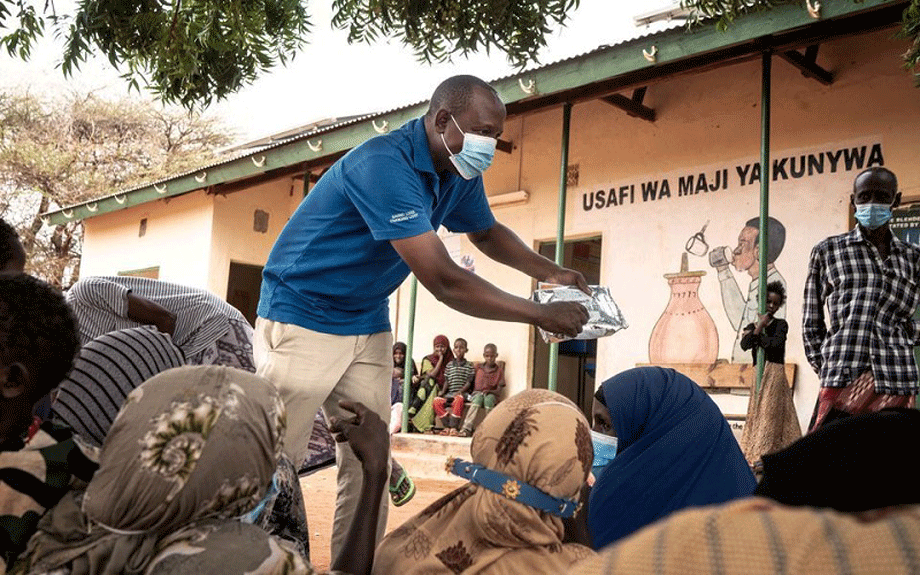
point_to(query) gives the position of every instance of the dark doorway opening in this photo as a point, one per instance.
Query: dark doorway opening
(243, 287)
(577, 359)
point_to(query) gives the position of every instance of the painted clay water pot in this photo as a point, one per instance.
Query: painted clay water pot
(685, 332)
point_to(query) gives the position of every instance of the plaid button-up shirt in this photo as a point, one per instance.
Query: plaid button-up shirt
(870, 303)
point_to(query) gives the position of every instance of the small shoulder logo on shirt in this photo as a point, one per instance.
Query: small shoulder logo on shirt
(403, 216)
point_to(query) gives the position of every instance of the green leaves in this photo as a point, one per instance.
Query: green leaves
(189, 52)
(724, 12)
(911, 31)
(193, 52)
(31, 26)
(437, 29)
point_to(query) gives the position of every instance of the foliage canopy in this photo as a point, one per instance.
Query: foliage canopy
(193, 52)
(58, 152)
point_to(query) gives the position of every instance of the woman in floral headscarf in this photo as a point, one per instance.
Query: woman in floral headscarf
(430, 381)
(192, 450)
(538, 445)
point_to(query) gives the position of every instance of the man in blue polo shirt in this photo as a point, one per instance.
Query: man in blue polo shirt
(323, 333)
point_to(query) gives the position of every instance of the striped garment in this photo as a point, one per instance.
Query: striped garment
(757, 536)
(457, 373)
(32, 480)
(105, 371)
(101, 306)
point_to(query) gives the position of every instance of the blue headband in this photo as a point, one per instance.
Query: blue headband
(513, 489)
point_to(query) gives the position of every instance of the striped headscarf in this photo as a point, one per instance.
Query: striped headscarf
(757, 536)
(106, 370)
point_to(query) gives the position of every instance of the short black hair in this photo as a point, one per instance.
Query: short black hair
(456, 92)
(877, 172)
(38, 329)
(10, 246)
(776, 236)
(777, 288)
(463, 340)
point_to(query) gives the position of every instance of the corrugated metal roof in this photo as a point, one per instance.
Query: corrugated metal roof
(555, 77)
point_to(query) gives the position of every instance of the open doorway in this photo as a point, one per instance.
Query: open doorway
(243, 286)
(577, 359)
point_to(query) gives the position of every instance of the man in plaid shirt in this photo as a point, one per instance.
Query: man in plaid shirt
(868, 279)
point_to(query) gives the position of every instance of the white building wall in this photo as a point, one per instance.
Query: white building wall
(177, 240)
(234, 237)
(706, 122)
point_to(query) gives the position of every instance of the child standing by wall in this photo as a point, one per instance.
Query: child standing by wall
(458, 377)
(489, 379)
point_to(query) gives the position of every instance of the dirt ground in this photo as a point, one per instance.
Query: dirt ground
(319, 496)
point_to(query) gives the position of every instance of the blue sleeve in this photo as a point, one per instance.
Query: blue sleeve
(389, 193)
(472, 213)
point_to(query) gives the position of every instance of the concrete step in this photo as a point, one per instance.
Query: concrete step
(426, 455)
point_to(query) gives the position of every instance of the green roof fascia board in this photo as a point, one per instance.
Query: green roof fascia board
(670, 46)
(673, 45)
(306, 149)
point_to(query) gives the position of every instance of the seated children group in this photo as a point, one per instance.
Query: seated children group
(448, 382)
(181, 476)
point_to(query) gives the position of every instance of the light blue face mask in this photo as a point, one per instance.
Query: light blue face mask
(476, 155)
(605, 449)
(873, 216)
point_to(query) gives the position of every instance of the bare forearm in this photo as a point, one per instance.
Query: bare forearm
(357, 554)
(146, 312)
(504, 246)
(471, 295)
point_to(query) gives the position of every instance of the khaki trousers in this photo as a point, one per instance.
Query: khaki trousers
(313, 370)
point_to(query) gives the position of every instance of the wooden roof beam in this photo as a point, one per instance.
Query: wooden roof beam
(807, 63)
(632, 106)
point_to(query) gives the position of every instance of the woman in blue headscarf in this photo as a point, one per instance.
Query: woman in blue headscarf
(674, 450)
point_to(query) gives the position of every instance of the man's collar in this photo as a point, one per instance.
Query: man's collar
(858, 235)
(421, 153)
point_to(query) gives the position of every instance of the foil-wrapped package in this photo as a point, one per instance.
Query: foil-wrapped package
(604, 315)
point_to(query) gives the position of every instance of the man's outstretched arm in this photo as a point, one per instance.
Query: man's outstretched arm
(468, 293)
(504, 246)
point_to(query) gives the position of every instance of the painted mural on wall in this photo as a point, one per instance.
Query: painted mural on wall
(741, 307)
(686, 331)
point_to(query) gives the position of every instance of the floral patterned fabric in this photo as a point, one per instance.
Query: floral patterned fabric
(538, 437)
(191, 450)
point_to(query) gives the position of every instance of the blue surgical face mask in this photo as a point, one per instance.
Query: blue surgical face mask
(873, 216)
(476, 155)
(605, 449)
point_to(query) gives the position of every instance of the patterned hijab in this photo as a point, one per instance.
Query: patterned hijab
(192, 449)
(675, 450)
(438, 375)
(538, 437)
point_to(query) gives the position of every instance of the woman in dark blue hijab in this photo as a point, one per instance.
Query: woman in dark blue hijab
(674, 450)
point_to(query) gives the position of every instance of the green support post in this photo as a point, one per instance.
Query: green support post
(766, 173)
(410, 338)
(560, 228)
